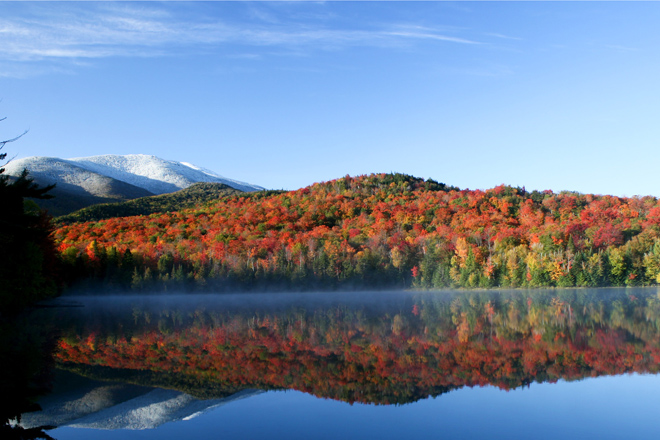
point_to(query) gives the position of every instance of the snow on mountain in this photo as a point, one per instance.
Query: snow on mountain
(86, 181)
(74, 178)
(154, 174)
(95, 174)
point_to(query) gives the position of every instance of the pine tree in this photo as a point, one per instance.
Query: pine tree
(28, 258)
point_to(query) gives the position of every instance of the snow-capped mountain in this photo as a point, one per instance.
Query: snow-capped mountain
(151, 173)
(71, 177)
(86, 181)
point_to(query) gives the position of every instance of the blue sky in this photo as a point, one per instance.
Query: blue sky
(561, 96)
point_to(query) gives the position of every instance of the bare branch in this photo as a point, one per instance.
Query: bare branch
(3, 156)
(2, 143)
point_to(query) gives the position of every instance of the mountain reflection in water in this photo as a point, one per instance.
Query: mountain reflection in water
(385, 348)
(140, 362)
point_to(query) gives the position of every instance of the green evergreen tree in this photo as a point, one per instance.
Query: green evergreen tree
(27, 253)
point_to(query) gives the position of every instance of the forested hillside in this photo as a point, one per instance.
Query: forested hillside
(381, 230)
(195, 195)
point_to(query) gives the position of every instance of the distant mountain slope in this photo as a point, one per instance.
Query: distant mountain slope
(154, 174)
(77, 187)
(88, 181)
(195, 195)
(74, 178)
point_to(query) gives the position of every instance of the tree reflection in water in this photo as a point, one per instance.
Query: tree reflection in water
(417, 346)
(27, 342)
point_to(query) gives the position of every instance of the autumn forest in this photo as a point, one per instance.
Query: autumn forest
(372, 231)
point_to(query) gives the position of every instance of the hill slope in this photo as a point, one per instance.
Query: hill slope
(196, 195)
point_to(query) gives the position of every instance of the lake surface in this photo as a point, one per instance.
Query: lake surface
(484, 364)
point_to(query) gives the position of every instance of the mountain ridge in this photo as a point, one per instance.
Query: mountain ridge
(157, 175)
(86, 181)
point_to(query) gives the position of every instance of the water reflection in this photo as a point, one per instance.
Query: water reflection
(26, 345)
(383, 348)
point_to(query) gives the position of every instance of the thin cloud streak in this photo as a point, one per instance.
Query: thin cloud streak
(431, 36)
(139, 32)
(505, 37)
(620, 48)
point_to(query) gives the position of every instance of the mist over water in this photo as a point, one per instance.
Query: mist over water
(383, 300)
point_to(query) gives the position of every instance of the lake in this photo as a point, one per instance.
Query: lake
(574, 363)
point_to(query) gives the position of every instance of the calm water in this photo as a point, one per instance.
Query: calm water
(496, 364)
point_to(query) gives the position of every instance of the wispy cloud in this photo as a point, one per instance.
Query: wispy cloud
(620, 48)
(51, 32)
(502, 36)
(428, 34)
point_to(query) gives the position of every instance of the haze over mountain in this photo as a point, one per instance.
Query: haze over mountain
(107, 178)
